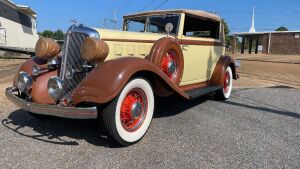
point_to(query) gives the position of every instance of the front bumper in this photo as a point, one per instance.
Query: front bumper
(52, 110)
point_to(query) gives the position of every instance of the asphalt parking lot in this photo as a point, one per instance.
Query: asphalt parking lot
(256, 128)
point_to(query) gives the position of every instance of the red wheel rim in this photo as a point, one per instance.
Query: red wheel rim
(226, 82)
(133, 110)
(169, 65)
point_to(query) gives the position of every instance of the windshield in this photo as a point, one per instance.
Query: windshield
(153, 24)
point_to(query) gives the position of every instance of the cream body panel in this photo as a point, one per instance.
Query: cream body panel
(195, 63)
(121, 49)
(199, 60)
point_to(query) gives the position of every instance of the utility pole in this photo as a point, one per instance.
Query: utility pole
(114, 21)
(105, 23)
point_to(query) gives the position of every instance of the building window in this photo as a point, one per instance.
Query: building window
(297, 36)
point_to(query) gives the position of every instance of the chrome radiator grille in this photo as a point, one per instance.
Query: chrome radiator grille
(71, 70)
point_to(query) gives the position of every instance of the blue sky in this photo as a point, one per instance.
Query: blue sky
(270, 14)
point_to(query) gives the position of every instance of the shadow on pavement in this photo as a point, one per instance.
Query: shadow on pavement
(174, 105)
(57, 130)
(270, 110)
(60, 131)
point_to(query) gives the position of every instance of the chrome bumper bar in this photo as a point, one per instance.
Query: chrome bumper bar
(52, 110)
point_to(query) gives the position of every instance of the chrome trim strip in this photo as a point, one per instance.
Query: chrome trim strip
(53, 110)
(86, 30)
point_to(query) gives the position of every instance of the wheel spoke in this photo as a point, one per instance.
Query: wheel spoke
(133, 110)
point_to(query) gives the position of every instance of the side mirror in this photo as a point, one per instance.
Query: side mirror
(169, 28)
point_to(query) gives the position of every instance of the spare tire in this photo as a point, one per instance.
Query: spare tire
(166, 53)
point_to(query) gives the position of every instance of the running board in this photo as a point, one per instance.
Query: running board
(202, 91)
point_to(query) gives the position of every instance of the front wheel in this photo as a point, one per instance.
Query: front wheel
(225, 92)
(128, 117)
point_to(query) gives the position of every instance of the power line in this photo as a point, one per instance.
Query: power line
(161, 4)
(147, 6)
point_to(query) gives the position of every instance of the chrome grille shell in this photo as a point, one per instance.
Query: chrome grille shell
(72, 61)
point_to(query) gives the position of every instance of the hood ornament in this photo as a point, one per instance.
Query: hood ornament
(75, 22)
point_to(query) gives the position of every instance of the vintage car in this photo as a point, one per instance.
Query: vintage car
(114, 76)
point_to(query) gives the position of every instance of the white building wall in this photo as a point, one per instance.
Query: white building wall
(17, 35)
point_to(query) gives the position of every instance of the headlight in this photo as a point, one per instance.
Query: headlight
(94, 50)
(24, 81)
(46, 48)
(55, 87)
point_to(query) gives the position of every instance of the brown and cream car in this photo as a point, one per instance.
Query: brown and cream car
(115, 75)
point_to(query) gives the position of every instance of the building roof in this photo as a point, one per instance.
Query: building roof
(22, 8)
(198, 13)
(26, 10)
(261, 33)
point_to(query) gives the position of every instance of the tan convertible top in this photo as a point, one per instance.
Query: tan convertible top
(190, 12)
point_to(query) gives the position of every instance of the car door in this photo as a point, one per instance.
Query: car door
(201, 46)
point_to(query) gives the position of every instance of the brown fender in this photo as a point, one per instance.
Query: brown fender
(219, 71)
(39, 90)
(107, 80)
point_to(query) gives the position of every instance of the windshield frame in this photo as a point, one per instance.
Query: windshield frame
(146, 24)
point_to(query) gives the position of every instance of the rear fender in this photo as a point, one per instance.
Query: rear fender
(107, 80)
(217, 77)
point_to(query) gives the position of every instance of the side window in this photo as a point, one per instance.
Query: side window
(198, 27)
(135, 24)
(157, 23)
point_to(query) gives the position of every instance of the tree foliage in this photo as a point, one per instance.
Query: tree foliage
(228, 38)
(57, 35)
(47, 34)
(282, 28)
(226, 28)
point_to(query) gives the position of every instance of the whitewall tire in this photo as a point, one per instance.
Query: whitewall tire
(128, 117)
(225, 92)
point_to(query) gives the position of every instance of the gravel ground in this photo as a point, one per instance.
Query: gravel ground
(256, 128)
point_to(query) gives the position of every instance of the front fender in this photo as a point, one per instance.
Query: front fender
(39, 91)
(107, 80)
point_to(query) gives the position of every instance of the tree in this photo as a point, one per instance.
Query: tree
(228, 38)
(226, 28)
(59, 35)
(282, 28)
(48, 34)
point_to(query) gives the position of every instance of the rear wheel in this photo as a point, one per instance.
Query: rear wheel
(225, 92)
(128, 117)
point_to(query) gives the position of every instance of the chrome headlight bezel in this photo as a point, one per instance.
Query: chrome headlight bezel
(24, 82)
(55, 87)
(52, 63)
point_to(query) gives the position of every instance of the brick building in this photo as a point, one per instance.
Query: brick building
(285, 42)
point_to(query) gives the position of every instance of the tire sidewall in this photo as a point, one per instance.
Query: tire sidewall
(227, 95)
(135, 136)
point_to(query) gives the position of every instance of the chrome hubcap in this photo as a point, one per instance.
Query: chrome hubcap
(136, 110)
(171, 67)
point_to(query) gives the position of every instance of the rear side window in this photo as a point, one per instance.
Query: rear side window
(198, 27)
